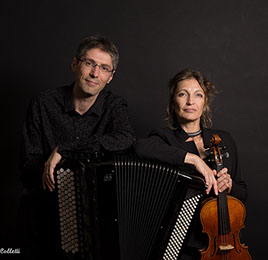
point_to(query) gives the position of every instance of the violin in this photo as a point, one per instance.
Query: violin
(222, 218)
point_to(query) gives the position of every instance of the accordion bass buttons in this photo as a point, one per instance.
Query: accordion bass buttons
(67, 210)
(108, 177)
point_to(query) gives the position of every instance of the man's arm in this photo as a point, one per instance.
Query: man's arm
(48, 176)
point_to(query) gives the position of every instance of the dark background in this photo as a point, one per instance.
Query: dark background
(226, 40)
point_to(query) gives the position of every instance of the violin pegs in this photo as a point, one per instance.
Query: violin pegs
(207, 153)
(211, 160)
(226, 155)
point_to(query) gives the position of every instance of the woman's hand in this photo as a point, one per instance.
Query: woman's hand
(224, 181)
(48, 177)
(202, 167)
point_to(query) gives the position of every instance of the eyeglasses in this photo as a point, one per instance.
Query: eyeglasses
(92, 64)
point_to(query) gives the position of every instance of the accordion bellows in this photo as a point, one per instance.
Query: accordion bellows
(125, 208)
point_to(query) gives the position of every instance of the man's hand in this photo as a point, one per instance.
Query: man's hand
(48, 177)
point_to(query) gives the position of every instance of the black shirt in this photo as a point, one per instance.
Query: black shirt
(52, 121)
(170, 146)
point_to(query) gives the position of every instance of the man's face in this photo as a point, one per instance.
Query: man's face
(90, 80)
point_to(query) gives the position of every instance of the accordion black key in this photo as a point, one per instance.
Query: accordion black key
(125, 208)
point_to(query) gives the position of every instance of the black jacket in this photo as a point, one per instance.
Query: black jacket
(169, 146)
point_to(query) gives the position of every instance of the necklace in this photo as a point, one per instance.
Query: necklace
(194, 133)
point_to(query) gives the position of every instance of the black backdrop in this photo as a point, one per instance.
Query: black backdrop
(226, 40)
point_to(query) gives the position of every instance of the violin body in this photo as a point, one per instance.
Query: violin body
(226, 246)
(222, 219)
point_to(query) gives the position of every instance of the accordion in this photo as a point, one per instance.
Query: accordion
(125, 208)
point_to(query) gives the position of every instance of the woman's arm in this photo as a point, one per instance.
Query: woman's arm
(156, 147)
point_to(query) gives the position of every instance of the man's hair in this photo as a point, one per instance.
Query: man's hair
(101, 43)
(205, 84)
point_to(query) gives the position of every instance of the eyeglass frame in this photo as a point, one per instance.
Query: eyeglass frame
(94, 65)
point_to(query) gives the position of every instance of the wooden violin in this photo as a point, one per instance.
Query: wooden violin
(222, 219)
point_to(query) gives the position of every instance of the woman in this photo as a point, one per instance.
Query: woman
(187, 137)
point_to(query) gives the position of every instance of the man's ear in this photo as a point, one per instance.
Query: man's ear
(74, 64)
(111, 77)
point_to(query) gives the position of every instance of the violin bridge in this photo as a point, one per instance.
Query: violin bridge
(228, 247)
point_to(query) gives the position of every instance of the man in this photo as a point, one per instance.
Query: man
(83, 117)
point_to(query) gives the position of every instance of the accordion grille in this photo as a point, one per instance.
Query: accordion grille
(144, 190)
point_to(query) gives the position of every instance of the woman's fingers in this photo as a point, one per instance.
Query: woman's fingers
(224, 180)
(208, 182)
(203, 168)
(210, 179)
(212, 183)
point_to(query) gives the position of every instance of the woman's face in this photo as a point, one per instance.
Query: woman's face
(189, 101)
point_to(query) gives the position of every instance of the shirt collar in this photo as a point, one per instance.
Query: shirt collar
(98, 105)
(206, 133)
(96, 108)
(181, 133)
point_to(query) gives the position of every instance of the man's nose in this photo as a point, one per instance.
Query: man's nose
(95, 71)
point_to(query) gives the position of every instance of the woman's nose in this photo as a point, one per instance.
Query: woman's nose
(190, 100)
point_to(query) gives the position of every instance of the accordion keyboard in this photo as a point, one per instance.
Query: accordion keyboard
(181, 227)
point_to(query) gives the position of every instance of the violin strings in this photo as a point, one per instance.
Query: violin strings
(226, 224)
(221, 219)
(224, 227)
(223, 212)
(222, 209)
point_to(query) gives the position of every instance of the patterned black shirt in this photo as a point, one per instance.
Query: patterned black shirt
(52, 121)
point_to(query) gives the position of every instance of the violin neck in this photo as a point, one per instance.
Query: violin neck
(224, 219)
